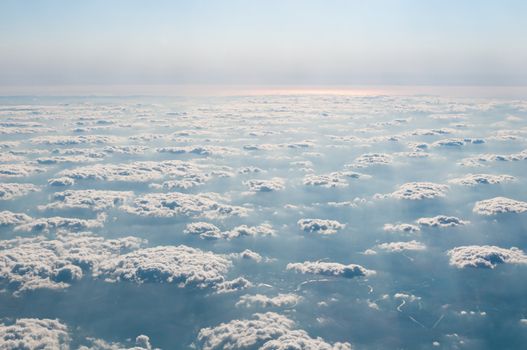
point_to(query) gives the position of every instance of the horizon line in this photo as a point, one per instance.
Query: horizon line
(210, 90)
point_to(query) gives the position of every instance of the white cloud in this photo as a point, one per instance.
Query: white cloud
(485, 256)
(481, 179)
(74, 140)
(499, 205)
(209, 205)
(405, 228)
(10, 158)
(142, 342)
(87, 199)
(271, 185)
(406, 296)
(252, 231)
(457, 142)
(14, 190)
(260, 300)
(248, 254)
(432, 132)
(134, 171)
(204, 229)
(369, 159)
(34, 333)
(234, 285)
(442, 221)
(8, 218)
(327, 180)
(264, 331)
(250, 170)
(321, 226)
(181, 265)
(482, 159)
(64, 159)
(419, 191)
(57, 222)
(19, 170)
(61, 181)
(402, 246)
(201, 150)
(36, 262)
(330, 269)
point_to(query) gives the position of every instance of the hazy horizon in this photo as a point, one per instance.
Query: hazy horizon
(310, 42)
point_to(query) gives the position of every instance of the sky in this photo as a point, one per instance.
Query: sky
(273, 42)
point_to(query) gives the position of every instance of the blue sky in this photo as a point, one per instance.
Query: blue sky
(287, 42)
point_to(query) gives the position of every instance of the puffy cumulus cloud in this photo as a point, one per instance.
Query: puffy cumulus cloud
(142, 342)
(64, 159)
(135, 171)
(9, 144)
(87, 199)
(457, 142)
(300, 144)
(334, 179)
(485, 256)
(404, 228)
(34, 333)
(203, 229)
(61, 181)
(185, 183)
(10, 158)
(147, 137)
(330, 269)
(442, 221)
(483, 159)
(300, 339)
(74, 140)
(201, 150)
(271, 185)
(250, 170)
(251, 231)
(167, 205)
(402, 246)
(281, 300)
(36, 263)
(11, 130)
(326, 180)
(419, 191)
(305, 165)
(57, 222)
(499, 205)
(96, 153)
(234, 285)
(19, 170)
(261, 147)
(8, 218)
(482, 179)
(181, 265)
(14, 190)
(321, 226)
(432, 132)
(115, 149)
(248, 254)
(209, 231)
(264, 331)
(369, 159)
